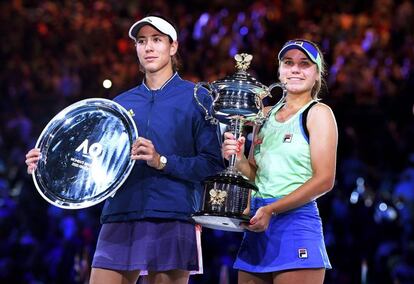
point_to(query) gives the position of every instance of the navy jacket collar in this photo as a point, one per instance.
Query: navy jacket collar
(170, 82)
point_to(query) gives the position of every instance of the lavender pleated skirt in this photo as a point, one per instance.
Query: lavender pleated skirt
(149, 245)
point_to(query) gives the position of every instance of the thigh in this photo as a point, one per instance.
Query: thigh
(303, 276)
(100, 275)
(254, 278)
(171, 276)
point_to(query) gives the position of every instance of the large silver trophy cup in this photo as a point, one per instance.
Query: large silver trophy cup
(236, 99)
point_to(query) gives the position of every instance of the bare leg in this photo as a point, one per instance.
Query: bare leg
(303, 276)
(254, 278)
(100, 275)
(170, 277)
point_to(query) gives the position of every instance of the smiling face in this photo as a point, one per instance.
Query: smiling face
(154, 50)
(298, 72)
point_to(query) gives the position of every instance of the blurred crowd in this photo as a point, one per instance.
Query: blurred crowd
(54, 53)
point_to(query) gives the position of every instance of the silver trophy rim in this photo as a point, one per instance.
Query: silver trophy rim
(86, 204)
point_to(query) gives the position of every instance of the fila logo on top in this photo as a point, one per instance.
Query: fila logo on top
(287, 138)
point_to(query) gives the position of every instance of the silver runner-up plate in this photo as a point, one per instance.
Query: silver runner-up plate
(86, 153)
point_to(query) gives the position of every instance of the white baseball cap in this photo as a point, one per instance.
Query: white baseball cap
(159, 23)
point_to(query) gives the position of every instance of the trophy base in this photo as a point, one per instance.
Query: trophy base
(224, 223)
(226, 202)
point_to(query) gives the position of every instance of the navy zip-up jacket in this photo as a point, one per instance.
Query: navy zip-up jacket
(172, 120)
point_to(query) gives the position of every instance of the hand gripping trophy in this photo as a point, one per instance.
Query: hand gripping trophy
(236, 99)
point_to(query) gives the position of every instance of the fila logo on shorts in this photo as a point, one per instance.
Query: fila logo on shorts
(303, 253)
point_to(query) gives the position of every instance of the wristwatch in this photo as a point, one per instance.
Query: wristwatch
(163, 162)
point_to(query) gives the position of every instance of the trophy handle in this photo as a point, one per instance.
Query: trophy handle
(280, 85)
(208, 115)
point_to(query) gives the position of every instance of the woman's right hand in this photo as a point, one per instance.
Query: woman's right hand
(32, 157)
(232, 146)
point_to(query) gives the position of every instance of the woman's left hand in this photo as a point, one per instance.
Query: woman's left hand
(143, 149)
(260, 221)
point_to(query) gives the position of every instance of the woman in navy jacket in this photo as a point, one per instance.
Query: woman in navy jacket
(146, 226)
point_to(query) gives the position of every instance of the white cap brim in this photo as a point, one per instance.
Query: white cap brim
(159, 23)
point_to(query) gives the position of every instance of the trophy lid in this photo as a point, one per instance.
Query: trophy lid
(241, 80)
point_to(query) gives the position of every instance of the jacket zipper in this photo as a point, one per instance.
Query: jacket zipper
(150, 112)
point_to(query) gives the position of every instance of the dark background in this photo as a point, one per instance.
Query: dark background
(54, 53)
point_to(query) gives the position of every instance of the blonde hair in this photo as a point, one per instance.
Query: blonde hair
(321, 82)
